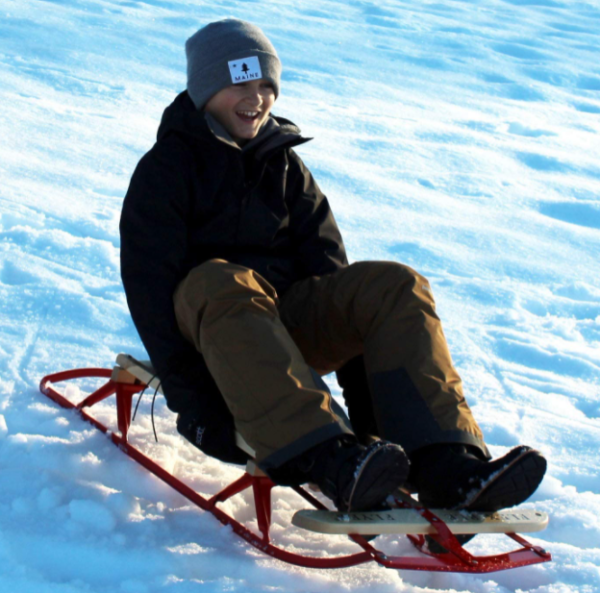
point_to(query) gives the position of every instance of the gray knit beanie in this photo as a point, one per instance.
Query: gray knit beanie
(228, 52)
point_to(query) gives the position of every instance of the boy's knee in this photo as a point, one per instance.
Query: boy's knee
(390, 273)
(213, 289)
(380, 287)
(213, 275)
(217, 278)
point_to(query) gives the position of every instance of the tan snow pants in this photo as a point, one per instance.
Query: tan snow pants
(266, 354)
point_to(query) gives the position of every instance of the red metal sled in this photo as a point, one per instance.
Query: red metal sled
(456, 560)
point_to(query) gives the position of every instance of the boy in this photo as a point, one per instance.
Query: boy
(238, 283)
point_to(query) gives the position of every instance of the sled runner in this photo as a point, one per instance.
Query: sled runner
(130, 376)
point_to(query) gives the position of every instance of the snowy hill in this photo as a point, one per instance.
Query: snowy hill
(459, 137)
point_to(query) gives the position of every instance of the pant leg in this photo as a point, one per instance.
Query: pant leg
(386, 312)
(280, 406)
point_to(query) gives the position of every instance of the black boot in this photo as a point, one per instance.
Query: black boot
(455, 477)
(458, 477)
(355, 477)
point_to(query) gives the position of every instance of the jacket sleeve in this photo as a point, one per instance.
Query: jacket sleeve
(318, 243)
(154, 238)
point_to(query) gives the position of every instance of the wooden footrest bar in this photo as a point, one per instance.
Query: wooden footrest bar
(403, 521)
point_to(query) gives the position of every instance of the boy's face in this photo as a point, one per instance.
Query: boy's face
(242, 108)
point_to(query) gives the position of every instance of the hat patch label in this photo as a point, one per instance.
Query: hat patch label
(244, 70)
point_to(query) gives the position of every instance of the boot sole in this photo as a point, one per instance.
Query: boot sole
(511, 486)
(379, 477)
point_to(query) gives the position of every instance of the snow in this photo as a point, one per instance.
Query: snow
(459, 137)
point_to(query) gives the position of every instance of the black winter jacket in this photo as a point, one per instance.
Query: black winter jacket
(194, 197)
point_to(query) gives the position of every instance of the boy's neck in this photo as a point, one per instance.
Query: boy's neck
(223, 135)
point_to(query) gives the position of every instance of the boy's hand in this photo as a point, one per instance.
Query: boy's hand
(214, 435)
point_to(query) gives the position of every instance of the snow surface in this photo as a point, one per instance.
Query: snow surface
(460, 137)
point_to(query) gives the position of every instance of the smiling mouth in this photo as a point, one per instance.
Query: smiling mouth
(248, 116)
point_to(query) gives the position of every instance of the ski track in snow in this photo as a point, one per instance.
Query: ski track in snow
(459, 137)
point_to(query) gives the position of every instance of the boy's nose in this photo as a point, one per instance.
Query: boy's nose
(254, 99)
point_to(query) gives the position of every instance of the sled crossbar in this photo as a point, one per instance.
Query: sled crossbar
(130, 376)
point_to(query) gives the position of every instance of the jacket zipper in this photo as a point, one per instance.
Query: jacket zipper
(248, 188)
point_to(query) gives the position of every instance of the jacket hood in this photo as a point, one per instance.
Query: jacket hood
(182, 117)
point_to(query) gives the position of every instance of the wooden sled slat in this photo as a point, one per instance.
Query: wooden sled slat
(140, 369)
(404, 521)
